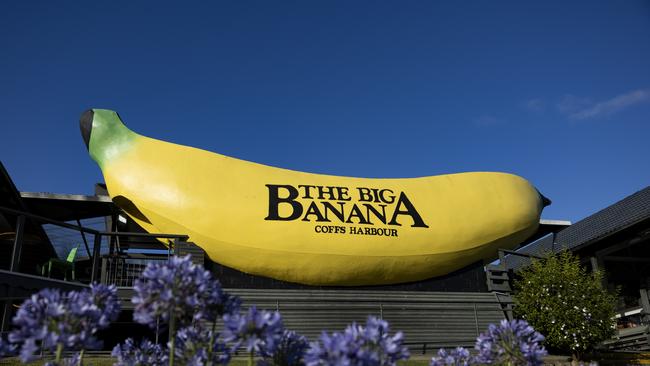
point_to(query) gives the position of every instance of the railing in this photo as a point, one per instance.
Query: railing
(430, 320)
(123, 270)
(95, 251)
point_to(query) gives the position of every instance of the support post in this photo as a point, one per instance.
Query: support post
(97, 247)
(103, 276)
(6, 314)
(645, 303)
(598, 264)
(594, 264)
(176, 246)
(113, 239)
(18, 244)
(83, 236)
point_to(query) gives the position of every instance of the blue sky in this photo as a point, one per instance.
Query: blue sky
(556, 92)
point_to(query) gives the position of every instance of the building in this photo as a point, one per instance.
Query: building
(615, 240)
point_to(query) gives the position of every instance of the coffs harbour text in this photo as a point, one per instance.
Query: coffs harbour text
(354, 230)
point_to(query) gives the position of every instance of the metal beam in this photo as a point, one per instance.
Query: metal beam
(113, 239)
(83, 236)
(97, 246)
(45, 219)
(512, 252)
(92, 231)
(5, 325)
(18, 244)
(144, 235)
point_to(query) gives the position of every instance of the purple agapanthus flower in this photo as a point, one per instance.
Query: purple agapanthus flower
(334, 349)
(6, 349)
(146, 354)
(217, 303)
(107, 305)
(290, 351)
(456, 357)
(70, 361)
(196, 345)
(32, 321)
(181, 288)
(258, 331)
(50, 319)
(512, 341)
(359, 345)
(388, 349)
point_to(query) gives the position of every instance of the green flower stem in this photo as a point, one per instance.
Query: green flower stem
(59, 351)
(211, 344)
(172, 338)
(157, 328)
(81, 357)
(251, 358)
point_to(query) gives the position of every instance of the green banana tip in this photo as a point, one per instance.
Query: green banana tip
(104, 134)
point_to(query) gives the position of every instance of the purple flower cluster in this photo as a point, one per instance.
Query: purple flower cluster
(146, 354)
(6, 349)
(58, 321)
(290, 350)
(191, 302)
(456, 357)
(512, 342)
(259, 332)
(181, 288)
(358, 345)
(198, 346)
(185, 296)
(105, 299)
(75, 360)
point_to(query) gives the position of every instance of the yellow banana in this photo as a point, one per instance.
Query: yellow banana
(311, 228)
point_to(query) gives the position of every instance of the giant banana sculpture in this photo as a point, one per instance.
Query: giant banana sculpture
(311, 228)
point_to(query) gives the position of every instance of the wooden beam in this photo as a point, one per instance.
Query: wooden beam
(622, 245)
(614, 258)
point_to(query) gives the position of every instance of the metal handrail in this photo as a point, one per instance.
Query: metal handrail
(89, 230)
(97, 233)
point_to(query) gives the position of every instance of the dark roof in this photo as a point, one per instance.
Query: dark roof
(623, 214)
(35, 236)
(9, 197)
(68, 207)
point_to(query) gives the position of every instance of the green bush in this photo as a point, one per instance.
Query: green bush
(565, 303)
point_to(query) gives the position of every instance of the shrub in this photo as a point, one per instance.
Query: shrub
(565, 303)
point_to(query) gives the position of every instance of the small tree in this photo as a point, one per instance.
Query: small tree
(565, 303)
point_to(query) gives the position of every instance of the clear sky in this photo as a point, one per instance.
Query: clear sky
(555, 91)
